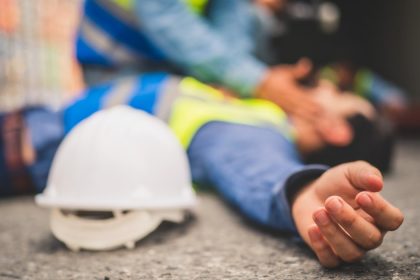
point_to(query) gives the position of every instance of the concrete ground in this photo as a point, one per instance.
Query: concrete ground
(216, 244)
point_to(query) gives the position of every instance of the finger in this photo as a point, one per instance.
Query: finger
(361, 231)
(328, 87)
(302, 68)
(363, 176)
(339, 241)
(308, 114)
(364, 215)
(321, 248)
(307, 107)
(335, 130)
(271, 4)
(274, 5)
(386, 216)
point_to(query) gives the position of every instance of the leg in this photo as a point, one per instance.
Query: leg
(14, 174)
(45, 131)
(28, 141)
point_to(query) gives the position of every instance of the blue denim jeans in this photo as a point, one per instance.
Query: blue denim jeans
(46, 132)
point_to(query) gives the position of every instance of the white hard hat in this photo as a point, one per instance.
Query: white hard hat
(121, 161)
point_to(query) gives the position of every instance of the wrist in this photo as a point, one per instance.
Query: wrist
(264, 85)
(302, 206)
(297, 202)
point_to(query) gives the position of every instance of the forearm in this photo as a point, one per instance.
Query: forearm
(241, 32)
(255, 169)
(190, 42)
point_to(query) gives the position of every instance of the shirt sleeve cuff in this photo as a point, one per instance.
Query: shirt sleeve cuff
(281, 216)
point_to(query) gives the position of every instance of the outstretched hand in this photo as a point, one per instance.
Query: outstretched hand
(281, 86)
(341, 215)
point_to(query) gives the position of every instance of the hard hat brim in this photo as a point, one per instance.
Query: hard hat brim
(123, 229)
(186, 200)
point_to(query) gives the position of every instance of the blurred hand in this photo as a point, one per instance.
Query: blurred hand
(274, 5)
(282, 88)
(343, 104)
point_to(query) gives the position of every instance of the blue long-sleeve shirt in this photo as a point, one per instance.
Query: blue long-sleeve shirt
(216, 47)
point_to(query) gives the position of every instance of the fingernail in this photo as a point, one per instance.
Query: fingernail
(334, 205)
(374, 180)
(375, 177)
(365, 200)
(321, 218)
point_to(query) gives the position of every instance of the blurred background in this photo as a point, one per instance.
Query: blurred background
(36, 52)
(37, 64)
(384, 35)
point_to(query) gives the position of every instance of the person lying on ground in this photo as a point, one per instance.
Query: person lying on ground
(248, 150)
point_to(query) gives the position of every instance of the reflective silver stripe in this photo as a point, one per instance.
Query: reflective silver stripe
(127, 17)
(120, 93)
(170, 92)
(104, 44)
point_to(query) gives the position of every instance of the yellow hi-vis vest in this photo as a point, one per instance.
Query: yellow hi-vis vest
(198, 104)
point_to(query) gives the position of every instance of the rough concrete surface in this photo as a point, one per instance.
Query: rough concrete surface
(216, 244)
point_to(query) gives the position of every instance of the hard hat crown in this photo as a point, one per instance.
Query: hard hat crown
(120, 158)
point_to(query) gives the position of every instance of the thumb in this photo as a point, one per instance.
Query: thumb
(302, 68)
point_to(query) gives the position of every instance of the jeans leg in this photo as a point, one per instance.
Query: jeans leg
(46, 132)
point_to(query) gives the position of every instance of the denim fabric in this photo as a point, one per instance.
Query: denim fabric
(5, 184)
(200, 47)
(250, 167)
(218, 47)
(46, 131)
